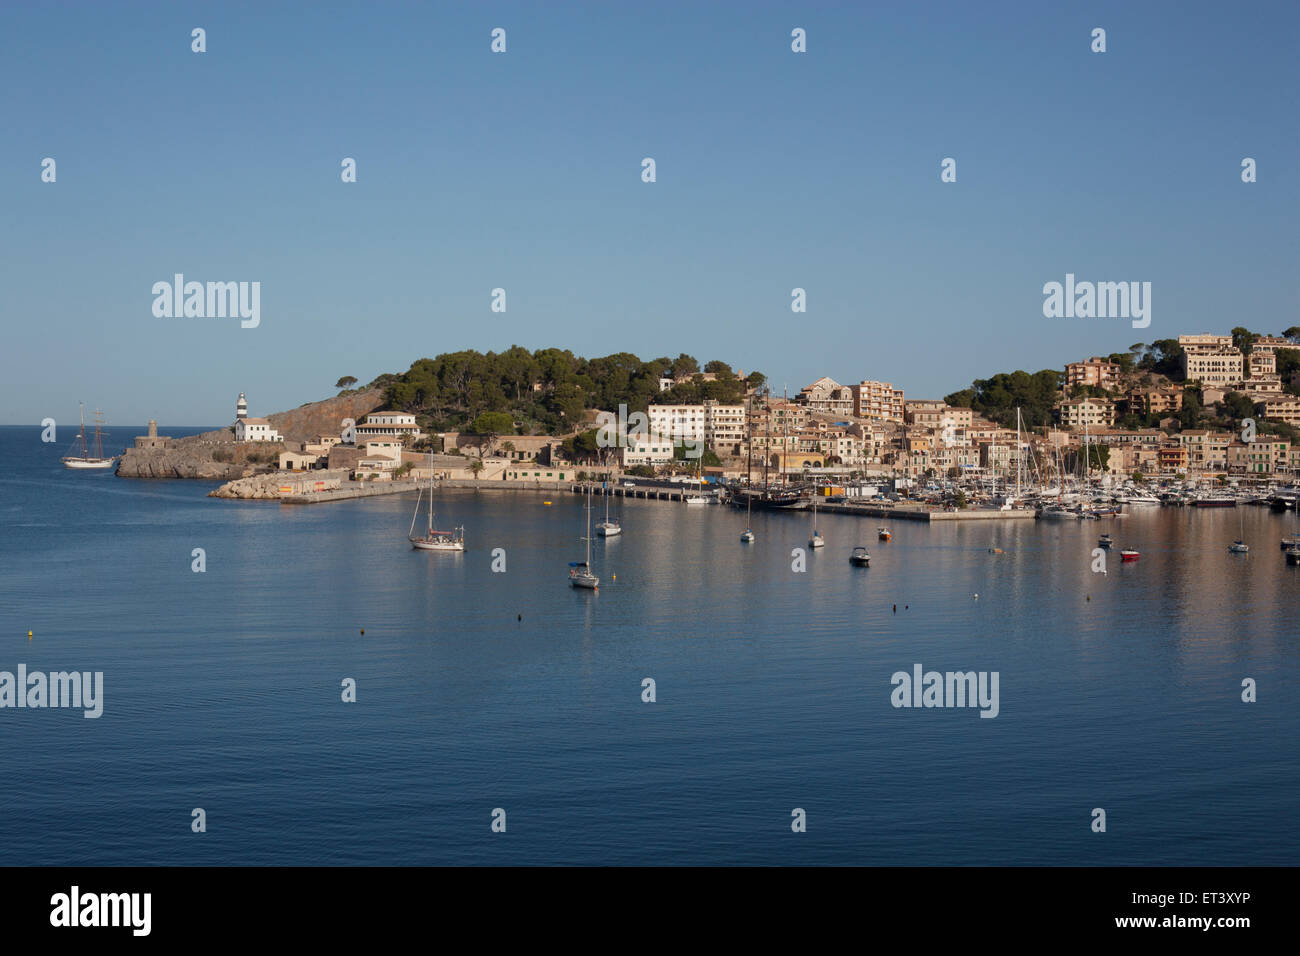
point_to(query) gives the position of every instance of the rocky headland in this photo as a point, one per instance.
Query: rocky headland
(216, 456)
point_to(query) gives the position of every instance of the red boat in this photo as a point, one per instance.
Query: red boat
(1128, 554)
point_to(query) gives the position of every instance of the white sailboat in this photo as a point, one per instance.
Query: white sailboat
(747, 536)
(86, 460)
(580, 574)
(815, 540)
(1239, 546)
(432, 539)
(608, 528)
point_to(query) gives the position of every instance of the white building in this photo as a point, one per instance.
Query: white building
(681, 422)
(724, 428)
(252, 429)
(387, 424)
(643, 449)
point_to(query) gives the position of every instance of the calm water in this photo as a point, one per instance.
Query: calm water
(222, 689)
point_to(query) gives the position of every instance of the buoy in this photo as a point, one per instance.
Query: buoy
(613, 577)
(1089, 597)
(546, 503)
(29, 635)
(895, 608)
(977, 597)
(519, 617)
(363, 630)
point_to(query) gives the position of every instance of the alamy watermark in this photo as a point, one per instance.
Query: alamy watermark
(622, 431)
(923, 688)
(1098, 300)
(57, 689)
(213, 300)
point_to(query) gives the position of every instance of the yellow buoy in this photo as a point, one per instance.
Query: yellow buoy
(613, 577)
(547, 503)
(363, 630)
(29, 635)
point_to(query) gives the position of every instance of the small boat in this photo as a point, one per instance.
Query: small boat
(1215, 501)
(746, 536)
(1291, 542)
(1057, 513)
(1128, 554)
(608, 528)
(859, 558)
(883, 534)
(696, 500)
(580, 573)
(1239, 547)
(1105, 541)
(1141, 500)
(996, 551)
(85, 460)
(1293, 556)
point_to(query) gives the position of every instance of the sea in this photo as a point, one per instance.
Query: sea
(501, 717)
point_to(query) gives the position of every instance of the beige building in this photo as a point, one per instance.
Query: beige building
(1206, 450)
(1214, 366)
(1261, 364)
(1098, 372)
(1283, 410)
(1087, 412)
(1265, 455)
(1158, 401)
(300, 461)
(878, 401)
(827, 395)
(1205, 343)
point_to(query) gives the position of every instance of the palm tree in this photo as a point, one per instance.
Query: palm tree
(476, 466)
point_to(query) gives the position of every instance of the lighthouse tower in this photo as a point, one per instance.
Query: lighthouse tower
(241, 408)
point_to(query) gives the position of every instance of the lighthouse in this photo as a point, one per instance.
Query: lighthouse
(241, 408)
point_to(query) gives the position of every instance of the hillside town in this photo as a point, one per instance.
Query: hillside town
(1111, 419)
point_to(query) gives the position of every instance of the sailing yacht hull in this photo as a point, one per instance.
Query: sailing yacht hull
(438, 545)
(608, 532)
(85, 464)
(585, 583)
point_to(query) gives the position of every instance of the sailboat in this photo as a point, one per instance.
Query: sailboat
(1239, 546)
(433, 540)
(580, 575)
(816, 541)
(747, 535)
(86, 460)
(608, 528)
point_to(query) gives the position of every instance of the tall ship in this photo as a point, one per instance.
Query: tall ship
(83, 457)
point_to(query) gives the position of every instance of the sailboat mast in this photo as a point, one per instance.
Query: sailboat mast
(1020, 451)
(85, 452)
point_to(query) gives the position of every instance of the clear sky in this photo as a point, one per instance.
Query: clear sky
(522, 170)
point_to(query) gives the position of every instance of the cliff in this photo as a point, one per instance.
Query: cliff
(216, 456)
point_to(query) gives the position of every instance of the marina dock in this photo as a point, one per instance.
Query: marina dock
(894, 511)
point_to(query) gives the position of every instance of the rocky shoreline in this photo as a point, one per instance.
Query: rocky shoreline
(266, 487)
(216, 456)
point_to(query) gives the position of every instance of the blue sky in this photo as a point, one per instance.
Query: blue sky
(522, 171)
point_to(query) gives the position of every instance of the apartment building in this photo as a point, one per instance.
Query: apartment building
(1213, 366)
(1158, 401)
(827, 395)
(877, 401)
(1098, 372)
(1087, 413)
